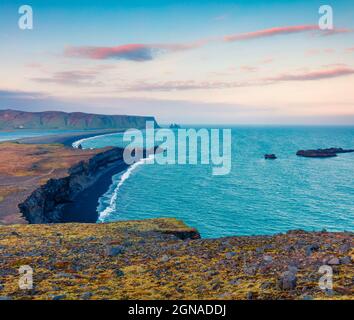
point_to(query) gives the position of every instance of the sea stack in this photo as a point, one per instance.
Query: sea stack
(270, 156)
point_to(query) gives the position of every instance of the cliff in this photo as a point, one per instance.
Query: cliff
(13, 119)
(48, 203)
(25, 168)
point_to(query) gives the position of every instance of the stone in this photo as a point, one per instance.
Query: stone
(86, 296)
(287, 281)
(266, 285)
(333, 261)
(165, 258)
(267, 258)
(235, 282)
(345, 260)
(249, 295)
(312, 248)
(113, 251)
(292, 269)
(59, 297)
(344, 248)
(118, 273)
(229, 255)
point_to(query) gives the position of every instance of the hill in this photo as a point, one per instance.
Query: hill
(13, 119)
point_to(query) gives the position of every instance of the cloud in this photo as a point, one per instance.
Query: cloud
(315, 75)
(132, 52)
(270, 32)
(336, 31)
(140, 52)
(79, 78)
(167, 86)
(187, 85)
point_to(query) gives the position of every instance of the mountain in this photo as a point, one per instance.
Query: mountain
(13, 119)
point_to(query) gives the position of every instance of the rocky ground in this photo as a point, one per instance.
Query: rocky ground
(164, 259)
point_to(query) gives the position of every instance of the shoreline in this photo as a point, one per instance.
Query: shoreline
(94, 177)
(66, 139)
(83, 209)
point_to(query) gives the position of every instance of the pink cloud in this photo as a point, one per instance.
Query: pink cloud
(315, 75)
(134, 52)
(146, 52)
(270, 32)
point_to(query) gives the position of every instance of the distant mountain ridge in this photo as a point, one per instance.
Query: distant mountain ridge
(14, 119)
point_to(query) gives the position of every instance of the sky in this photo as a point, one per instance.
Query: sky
(190, 62)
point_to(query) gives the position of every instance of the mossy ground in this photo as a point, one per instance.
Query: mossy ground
(71, 261)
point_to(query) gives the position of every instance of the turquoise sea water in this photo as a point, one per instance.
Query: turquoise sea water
(258, 196)
(19, 134)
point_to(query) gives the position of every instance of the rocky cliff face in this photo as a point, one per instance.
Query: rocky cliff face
(12, 119)
(45, 204)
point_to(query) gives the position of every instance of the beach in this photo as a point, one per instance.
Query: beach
(31, 163)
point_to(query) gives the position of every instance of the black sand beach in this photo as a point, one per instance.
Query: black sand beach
(84, 207)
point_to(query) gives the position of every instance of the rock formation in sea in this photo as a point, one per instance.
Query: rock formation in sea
(270, 156)
(322, 153)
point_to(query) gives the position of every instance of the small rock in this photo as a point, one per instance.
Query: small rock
(59, 297)
(1, 286)
(266, 285)
(287, 281)
(212, 273)
(235, 282)
(114, 251)
(307, 297)
(119, 273)
(292, 269)
(216, 286)
(267, 258)
(86, 296)
(333, 261)
(344, 248)
(165, 258)
(311, 249)
(14, 233)
(64, 275)
(229, 255)
(249, 295)
(345, 260)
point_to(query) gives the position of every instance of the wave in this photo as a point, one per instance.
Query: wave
(112, 203)
(76, 144)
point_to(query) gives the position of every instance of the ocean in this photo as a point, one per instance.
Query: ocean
(258, 197)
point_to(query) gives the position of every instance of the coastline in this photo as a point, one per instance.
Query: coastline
(49, 152)
(65, 139)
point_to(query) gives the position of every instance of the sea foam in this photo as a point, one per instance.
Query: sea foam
(113, 200)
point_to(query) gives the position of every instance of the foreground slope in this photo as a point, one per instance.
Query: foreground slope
(165, 259)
